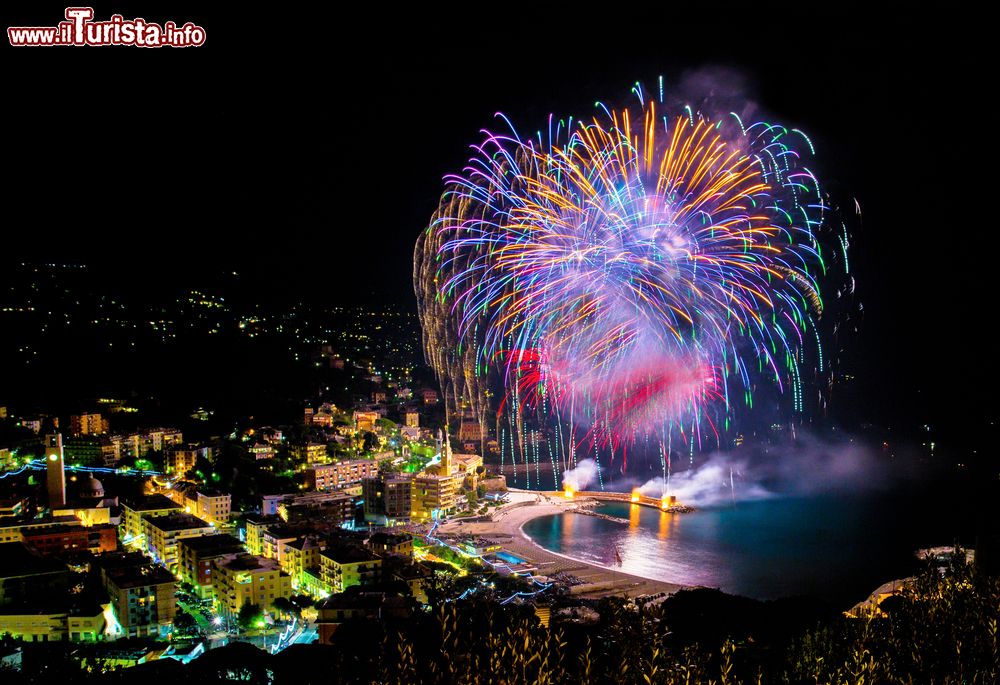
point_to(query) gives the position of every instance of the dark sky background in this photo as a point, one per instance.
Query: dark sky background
(311, 161)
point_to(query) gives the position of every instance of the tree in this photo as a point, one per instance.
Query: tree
(286, 607)
(387, 466)
(184, 623)
(370, 441)
(250, 616)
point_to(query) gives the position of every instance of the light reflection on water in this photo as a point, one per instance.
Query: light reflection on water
(838, 548)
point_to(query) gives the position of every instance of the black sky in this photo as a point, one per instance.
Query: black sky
(311, 162)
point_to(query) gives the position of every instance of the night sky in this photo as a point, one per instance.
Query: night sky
(310, 164)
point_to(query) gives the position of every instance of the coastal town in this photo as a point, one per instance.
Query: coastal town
(144, 546)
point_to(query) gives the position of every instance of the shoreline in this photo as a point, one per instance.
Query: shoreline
(507, 526)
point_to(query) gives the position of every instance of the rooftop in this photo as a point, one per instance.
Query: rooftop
(213, 544)
(150, 503)
(17, 560)
(343, 554)
(126, 575)
(248, 563)
(176, 521)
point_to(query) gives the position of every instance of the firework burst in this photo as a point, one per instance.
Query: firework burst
(625, 276)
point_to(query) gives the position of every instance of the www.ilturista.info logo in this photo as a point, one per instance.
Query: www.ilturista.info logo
(80, 29)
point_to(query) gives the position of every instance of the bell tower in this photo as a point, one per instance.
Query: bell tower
(55, 471)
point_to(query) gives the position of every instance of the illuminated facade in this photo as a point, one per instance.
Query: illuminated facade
(311, 453)
(162, 533)
(340, 474)
(143, 595)
(88, 424)
(343, 567)
(73, 625)
(245, 579)
(434, 496)
(197, 556)
(180, 460)
(135, 511)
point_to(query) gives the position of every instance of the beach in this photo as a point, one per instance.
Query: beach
(506, 525)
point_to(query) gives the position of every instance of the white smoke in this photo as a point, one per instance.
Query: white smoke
(801, 467)
(584, 474)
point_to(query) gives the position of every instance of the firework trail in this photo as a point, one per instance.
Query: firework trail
(625, 279)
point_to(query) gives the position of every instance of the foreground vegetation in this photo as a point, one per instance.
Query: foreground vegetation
(941, 630)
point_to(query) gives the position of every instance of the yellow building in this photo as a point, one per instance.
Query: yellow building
(180, 460)
(213, 506)
(73, 625)
(400, 544)
(342, 567)
(299, 556)
(143, 595)
(256, 526)
(134, 511)
(312, 453)
(197, 556)
(434, 496)
(339, 474)
(245, 579)
(162, 533)
(88, 424)
(205, 503)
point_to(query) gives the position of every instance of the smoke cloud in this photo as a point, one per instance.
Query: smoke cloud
(583, 475)
(805, 466)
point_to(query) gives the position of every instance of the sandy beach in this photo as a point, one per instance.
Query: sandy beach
(506, 527)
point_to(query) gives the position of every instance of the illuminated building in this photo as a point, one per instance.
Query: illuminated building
(467, 466)
(339, 474)
(180, 460)
(55, 474)
(337, 609)
(14, 530)
(245, 579)
(389, 543)
(208, 504)
(273, 541)
(197, 555)
(365, 420)
(58, 622)
(83, 450)
(311, 453)
(256, 527)
(434, 496)
(143, 595)
(88, 424)
(12, 506)
(214, 506)
(298, 557)
(62, 539)
(344, 566)
(416, 577)
(262, 452)
(470, 431)
(162, 533)
(412, 419)
(390, 496)
(336, 508)
(135, 510)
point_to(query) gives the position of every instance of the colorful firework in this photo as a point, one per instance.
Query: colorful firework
(629, 278)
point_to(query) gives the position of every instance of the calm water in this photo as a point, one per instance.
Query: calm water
(839, 548)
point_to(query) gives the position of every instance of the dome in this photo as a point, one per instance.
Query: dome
(92, 488)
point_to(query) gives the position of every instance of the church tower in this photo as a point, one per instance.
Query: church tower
(55, 471)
